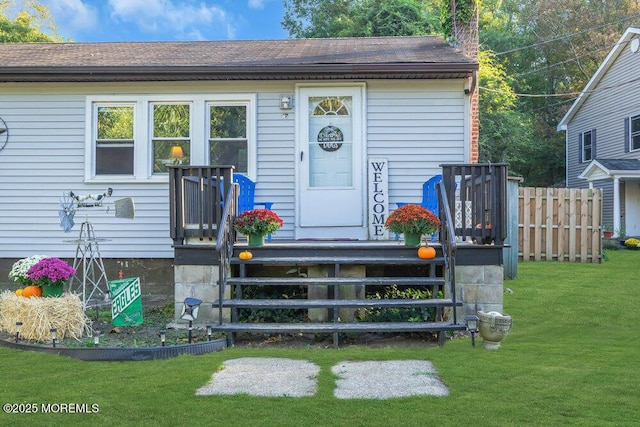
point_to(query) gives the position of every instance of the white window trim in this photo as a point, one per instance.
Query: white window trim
(249, 101)
(143, 168)
(150, 106)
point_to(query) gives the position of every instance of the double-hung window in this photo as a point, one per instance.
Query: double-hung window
(171, 130)
(587, 146)
(114, 139)
(634, 132)
(228, 142)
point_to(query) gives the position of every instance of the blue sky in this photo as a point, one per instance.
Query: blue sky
(167, 20)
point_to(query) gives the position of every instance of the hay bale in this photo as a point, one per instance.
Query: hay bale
(39, 315)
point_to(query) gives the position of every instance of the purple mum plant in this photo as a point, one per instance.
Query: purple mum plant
(50, 271)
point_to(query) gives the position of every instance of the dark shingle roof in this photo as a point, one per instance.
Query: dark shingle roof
(374, 57)
(620, 164)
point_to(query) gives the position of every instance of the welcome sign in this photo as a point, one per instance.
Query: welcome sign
(378, 184)
(126, 302)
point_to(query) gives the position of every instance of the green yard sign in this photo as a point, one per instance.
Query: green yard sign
(126, 302)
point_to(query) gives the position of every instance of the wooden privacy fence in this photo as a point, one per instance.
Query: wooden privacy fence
(559, 224)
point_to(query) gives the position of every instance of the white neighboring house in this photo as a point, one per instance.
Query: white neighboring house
(266, 106)
(603, 136)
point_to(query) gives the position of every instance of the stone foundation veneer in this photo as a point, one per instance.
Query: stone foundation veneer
(480, 287)
(201, 282)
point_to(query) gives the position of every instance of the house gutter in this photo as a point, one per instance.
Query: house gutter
(239, 72)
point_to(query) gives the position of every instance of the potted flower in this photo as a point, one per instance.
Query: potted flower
(632, 243)
(413, 221)
(256, 224)
(51, 274)
(19, 269)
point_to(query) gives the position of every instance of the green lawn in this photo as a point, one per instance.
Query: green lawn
(570, 359)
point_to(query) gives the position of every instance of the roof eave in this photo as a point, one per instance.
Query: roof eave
(237, 72)
(597, 76)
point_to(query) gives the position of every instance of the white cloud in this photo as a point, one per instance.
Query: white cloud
(73, 15)
(183, 19)
(256, 4)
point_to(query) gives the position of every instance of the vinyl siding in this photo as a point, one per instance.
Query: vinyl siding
(615, 97)
(415, 125)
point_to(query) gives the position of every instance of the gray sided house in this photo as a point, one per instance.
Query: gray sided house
(603, 136)
(84, 117)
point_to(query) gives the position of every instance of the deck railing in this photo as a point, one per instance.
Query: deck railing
(477, 199)
(448, 241)
(198, 197)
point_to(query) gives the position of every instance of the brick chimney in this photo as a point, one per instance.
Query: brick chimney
(465, 36)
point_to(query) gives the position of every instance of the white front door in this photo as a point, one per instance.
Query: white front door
(632, 208)
(330, 155)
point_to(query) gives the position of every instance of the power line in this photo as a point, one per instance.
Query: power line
(566, 36)
(558, 95)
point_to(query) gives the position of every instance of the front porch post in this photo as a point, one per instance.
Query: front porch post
(616, 207)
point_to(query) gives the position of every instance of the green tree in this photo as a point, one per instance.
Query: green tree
(358, 18)
(26, 21)
(550, 50)
(505, 133)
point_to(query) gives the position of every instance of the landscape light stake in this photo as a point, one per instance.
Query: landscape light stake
(18, 327)
(54, 336)
(472, 326)
(163, 337)
(96, 338)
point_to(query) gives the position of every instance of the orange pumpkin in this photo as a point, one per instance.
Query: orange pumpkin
(245, 255)
(32, 291)
(426, 252)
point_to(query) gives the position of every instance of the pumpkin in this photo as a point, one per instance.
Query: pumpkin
(245, 255)
(426, 252)
(19, 292)
(32, 291)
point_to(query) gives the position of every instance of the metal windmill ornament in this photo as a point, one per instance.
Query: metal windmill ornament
(90, 272)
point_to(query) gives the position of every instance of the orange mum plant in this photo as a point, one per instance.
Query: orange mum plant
(412, 219)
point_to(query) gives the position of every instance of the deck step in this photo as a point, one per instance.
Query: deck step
(295, 281)
(325, 260)
(338, 303)
(339, 327)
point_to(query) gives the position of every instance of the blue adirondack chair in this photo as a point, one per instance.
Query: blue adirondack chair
(429, 195)
(246, 196)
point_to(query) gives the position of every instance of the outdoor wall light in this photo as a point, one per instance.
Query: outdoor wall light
(286, 102)
(96, 338)
(18, 327)
(472, 325)
(54, 336)
(163, 337)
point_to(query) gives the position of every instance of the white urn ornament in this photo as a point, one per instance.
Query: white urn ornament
(493, 327)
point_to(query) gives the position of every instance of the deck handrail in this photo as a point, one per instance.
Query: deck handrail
(448, 242)
(224, 246)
